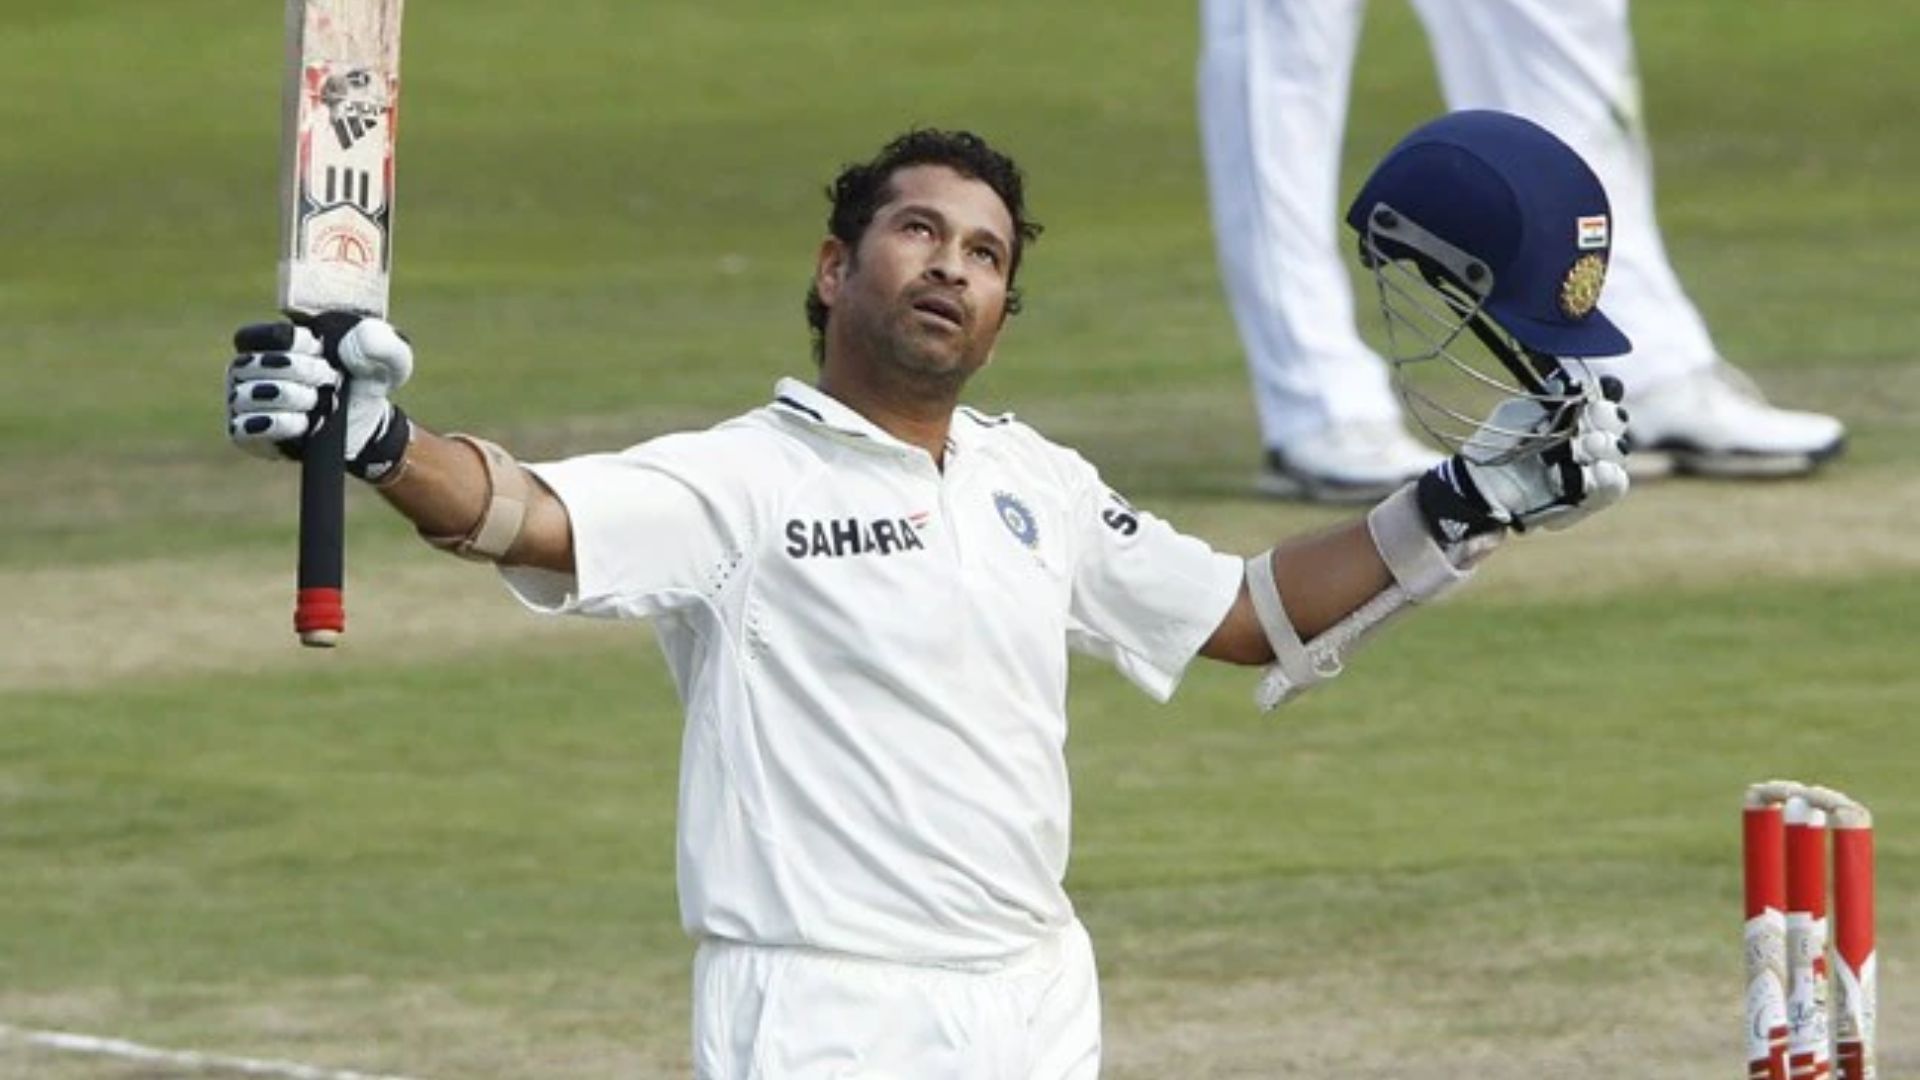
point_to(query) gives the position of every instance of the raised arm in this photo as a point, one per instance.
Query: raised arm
(1321, 577)
(1307, 602)
(282, 385)
(446, 488)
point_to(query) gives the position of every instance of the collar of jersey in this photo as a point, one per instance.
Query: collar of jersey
(817, 409)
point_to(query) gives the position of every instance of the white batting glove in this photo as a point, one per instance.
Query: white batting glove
(1554, 488)
(283, 385)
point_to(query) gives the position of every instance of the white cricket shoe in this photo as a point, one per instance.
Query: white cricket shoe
(1348, 463)
(1714, 422)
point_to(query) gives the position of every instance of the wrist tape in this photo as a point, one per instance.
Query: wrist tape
(1451, 503)
(384, 458)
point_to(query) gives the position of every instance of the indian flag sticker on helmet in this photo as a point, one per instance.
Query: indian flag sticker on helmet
(1591, 232)
(1581, 289)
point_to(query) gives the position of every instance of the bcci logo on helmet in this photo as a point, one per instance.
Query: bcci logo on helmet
(1580, 292)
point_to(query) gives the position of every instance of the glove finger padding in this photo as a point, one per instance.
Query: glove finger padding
(1610, 485)
(307, 370)
(283, 387)
(365, 349)
(368, 350)
(374, 353)
(276, 337)
(1600, 435)
(1599, 448)
(1606, 415)
(1563, 483)
(275, 398)
(270, 396)
(269, 434)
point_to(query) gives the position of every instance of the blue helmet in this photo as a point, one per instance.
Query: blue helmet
(1523, 224)
(1483, 226)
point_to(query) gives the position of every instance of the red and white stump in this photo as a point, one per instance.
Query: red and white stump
(1804, 1014)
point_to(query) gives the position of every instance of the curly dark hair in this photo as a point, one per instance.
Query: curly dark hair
(862, 188)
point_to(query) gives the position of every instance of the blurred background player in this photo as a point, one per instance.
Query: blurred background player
(1274, 80)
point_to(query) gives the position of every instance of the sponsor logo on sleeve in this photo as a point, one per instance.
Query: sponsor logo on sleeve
(1120, 516)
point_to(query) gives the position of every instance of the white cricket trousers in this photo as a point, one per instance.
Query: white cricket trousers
(1273, 93)
(780, 1013)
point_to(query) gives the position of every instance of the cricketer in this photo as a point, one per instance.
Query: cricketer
(867, 592)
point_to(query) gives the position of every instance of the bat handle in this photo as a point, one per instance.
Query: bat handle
(320, 613)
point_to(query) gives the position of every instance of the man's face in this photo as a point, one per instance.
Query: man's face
(926, 291)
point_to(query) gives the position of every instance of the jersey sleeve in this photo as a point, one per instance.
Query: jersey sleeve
(655, 528)
(1145, 596)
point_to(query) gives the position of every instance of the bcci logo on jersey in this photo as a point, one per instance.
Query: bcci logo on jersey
(1017, 518)
(851, 536)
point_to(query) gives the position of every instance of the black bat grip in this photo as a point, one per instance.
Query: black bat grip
(320, 613)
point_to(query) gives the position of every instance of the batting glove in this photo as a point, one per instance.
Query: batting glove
(1554, 488)
(283, 386)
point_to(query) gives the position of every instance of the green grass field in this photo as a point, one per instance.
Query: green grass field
(1505, 845)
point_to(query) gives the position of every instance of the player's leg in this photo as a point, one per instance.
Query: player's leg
(1063, 1011)
(1570, 68)
(1273, 86)
(729, 1000)
(797, 1014)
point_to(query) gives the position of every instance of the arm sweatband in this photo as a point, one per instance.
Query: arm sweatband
(505, 513)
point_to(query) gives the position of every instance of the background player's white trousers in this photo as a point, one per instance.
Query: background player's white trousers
(1273, 89)
(798, 1014)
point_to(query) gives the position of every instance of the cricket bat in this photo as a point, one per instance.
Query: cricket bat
(339, 103)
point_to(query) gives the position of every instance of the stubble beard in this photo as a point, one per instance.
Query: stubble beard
(902, 352)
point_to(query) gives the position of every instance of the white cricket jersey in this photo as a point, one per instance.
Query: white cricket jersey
(872, 654)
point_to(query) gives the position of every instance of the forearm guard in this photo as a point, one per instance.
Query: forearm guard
(1422, 570)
